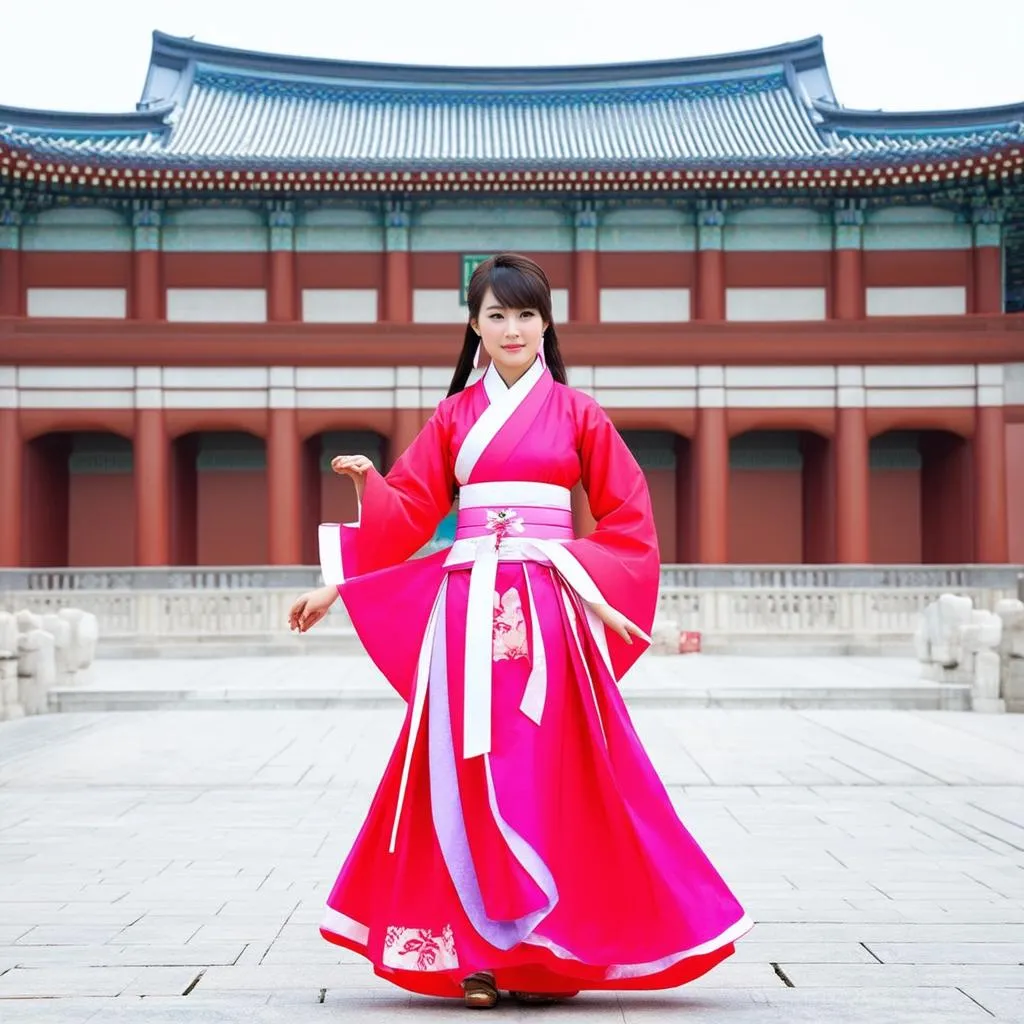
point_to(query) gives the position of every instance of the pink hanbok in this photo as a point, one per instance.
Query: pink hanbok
(519, 827)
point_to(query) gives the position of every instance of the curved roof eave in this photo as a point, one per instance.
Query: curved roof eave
(56, 121)
(176, 53)
(931, 120)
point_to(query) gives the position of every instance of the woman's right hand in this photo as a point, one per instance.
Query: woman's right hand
(309, 609)
(355, 467)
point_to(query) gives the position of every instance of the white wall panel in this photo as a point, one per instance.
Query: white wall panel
(217, 305)
(642, 377)
(32, 399)
(237, 399)
(780, 376)
(646, 398)
(775, 303)
(382, 399)
(560, 305)
(438, 306)
(109, 303)
(202, 377)
(77, 377)
(339, 305)
(780, 398)
(919, 376)
(323, 377)
(645, 305)
(920, 398)
(948, 301)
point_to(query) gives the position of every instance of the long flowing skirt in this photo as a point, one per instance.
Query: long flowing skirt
(557, 861)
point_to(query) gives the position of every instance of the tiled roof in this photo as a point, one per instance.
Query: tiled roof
(207, 106)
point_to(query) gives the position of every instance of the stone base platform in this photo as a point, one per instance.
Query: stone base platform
(343, 680)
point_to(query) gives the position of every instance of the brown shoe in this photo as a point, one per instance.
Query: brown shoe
(479, 991)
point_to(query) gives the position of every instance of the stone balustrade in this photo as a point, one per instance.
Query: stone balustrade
(40, 651)
(860, 620)
(958, 642)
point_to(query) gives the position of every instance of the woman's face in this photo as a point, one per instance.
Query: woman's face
(511, 337)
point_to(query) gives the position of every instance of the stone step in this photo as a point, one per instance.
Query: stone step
(916, 698)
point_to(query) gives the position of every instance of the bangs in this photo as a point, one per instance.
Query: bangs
(515, 289)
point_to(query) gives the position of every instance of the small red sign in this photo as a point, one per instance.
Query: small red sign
(689, 642)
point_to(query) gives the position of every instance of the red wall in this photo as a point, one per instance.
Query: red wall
(662, 485)
(896, 516)
(76, 269)
(1015, 489)
(765, 516)
(232, 517)
(101, 519)
(45, 501)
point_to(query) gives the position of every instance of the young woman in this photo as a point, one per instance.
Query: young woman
(520, 839)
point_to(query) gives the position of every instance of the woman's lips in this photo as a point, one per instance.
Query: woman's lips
(513, 348)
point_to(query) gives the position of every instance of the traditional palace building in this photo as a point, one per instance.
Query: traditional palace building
(801, 317)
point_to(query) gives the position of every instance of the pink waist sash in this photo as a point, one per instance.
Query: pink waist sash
(521, 521)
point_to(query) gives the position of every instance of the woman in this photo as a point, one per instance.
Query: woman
(520, 839)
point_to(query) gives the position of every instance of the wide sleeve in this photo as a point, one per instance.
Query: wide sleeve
(621, 555)
(399, 512)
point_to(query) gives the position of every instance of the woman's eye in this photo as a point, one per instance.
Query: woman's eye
(527, 313)
(495, 316)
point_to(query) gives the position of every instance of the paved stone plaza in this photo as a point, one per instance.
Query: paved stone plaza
(170, 865)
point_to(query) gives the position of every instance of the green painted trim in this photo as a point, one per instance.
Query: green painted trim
(228, 461)
(100, 463)
(10, 237)
(988, 236)
(469, 265)
(849, 236)
(766, 458)
(894, 458)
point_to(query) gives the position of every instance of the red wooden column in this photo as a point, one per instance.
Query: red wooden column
(282, 298)
(152, 470)
(852, 444)
(853, 483)
(397, 305)
(284, 445)
(11, 461)
(11, 298)
(988, 260)
(147, 298)
(151, 445)
(709, 297)
(585, 295)
(710, 455)
(284, 471)
(712, 471)
(848, 263)
(992, 527)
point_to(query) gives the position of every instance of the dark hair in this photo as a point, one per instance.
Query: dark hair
(517, 283)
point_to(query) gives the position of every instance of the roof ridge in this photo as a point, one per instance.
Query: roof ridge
(174, 52)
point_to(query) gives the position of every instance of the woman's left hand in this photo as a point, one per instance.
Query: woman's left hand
(618, 623)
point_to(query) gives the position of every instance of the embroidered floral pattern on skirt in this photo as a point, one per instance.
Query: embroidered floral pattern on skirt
(509, 635)
(419, 949)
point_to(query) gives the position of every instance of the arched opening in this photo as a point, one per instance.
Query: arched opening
(79, 500)
(921, 507)
(219, 499)
(659, 453)
(780, 498)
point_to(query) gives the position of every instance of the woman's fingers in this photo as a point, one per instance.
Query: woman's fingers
(350, 464)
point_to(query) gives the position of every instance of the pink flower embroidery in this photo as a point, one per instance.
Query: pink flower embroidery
(503, 521)
(509, 635)
(420, 949)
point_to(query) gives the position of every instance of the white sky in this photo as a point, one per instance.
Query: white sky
(882, 54)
